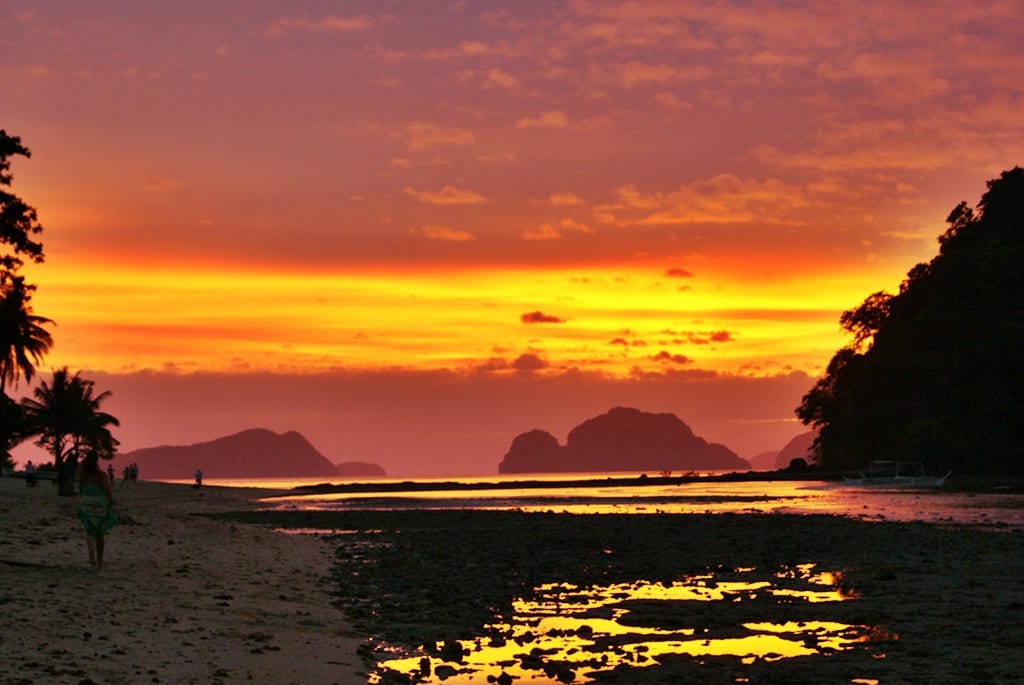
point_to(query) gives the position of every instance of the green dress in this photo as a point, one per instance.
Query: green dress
(95, 511)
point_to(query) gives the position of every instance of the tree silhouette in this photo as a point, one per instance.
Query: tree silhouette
(67, 418)
(934, 372)
(23, 340)
(18, 221)
(13, 428)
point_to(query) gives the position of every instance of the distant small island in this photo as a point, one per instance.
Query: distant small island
(623, 439)
(360, 469)
(253, 453)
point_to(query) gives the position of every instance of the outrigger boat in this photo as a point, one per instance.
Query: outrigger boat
(895, 474)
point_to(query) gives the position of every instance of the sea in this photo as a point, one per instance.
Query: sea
(991, 504)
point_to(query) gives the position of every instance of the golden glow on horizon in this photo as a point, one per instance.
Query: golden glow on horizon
(122, 318)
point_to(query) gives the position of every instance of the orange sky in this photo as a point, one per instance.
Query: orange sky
(642, 196)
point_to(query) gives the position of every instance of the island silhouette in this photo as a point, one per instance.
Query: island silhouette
(252, 453)
(623, 439)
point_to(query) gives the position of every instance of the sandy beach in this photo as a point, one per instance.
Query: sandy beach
(181, 599)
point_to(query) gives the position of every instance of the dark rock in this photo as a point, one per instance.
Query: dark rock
(444, 671)
(452, 651)
(360, 469)
(798, 448)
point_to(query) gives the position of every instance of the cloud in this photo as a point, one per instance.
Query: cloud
(556, 231)
(449, 195)
(725, 198)
(775, 58)
(497, 78)
(563, 199)
(671, 101)
(529, 362)
(34, 71)
(328, 24)
(633, 74)
(676, 272)
(665, 357)
(422, 135)
(444, 233)
(492, 365)
(553, 119)
(542, 232)
(627, 343)
(540, 317)
(700, 337)
(475, 49)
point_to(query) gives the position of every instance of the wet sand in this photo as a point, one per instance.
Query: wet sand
(181, 599)
(938, 604)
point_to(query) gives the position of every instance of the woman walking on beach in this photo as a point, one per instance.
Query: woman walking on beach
(96, 507)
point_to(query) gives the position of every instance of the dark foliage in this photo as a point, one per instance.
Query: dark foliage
(934, 373)
(18, 221)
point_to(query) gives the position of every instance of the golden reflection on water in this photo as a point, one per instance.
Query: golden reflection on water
(569, 634)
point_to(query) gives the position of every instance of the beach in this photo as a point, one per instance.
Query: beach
(201, 587)
(182, 598)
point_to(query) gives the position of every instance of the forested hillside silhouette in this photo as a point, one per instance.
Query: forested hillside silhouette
(935, 373)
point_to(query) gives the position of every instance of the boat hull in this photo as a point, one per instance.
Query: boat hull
(894, 474)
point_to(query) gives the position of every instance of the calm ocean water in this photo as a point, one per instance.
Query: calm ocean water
(578, 494)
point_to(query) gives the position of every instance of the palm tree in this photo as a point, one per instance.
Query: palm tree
(13, 429)
(23, 340)
(67, 418)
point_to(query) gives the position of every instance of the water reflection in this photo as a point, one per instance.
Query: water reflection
(571, 634)
(767, 497)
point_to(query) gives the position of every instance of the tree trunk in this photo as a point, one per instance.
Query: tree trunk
(66, 477)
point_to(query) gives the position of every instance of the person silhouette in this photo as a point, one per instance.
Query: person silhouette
(95, 507)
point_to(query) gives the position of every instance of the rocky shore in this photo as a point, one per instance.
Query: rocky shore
(933, 604)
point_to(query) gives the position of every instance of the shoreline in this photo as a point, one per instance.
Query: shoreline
(182, 597)
(961, 483)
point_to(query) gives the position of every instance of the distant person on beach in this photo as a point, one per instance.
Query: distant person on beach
(199, 479)
(110, 474)
(96, 506)
(30, 475)
(126, 474)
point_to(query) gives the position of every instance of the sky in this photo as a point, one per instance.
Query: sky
(414, 230)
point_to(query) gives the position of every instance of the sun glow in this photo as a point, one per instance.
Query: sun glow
(616, 320)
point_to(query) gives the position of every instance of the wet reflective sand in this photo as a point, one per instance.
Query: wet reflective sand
(574, 634)
(741, 583)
